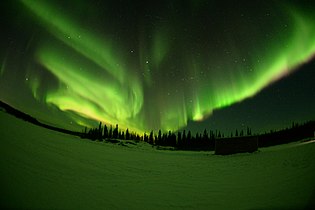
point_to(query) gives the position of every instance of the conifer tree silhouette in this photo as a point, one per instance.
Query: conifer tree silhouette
(160, 137)
(248, 131)
(100, 131)
(179, 138)
(105, 132)
(188, 137)
(145, 137)
(151, 137)
(115, 132)
(205, 135)
(184, 139)
(127, 134)
(110, 133)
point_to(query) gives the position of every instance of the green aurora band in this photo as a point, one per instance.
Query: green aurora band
(99, 80)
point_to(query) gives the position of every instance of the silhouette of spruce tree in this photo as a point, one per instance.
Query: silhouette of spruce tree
(122, 135)
(159, 141)
(105, 132)
(115, 132)
(188, 140)
(151, 137)
(248, 131)
(184, 139)
(110, 132)
(179, 138)
(100, 131)
(205, 135)
(127, 134)
(145, 137)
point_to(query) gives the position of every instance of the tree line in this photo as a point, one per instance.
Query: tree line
(201, 141)
(180, 139)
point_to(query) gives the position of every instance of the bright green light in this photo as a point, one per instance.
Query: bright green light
(160, 86)
(90, 93)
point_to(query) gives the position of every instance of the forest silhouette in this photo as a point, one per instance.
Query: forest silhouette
(182, 140)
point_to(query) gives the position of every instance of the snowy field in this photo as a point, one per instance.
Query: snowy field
(43, 169)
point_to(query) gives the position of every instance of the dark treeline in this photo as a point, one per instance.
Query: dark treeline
(201, 141)
(34, 121)
(109, 133)
(294, 133)
(181, 139)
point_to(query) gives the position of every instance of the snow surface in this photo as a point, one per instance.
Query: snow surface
(45, 169)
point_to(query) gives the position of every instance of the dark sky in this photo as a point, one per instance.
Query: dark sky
(160, 64)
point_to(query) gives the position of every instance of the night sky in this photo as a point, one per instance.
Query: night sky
(160, 64)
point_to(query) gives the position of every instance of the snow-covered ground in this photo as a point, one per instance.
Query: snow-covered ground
(45, 169)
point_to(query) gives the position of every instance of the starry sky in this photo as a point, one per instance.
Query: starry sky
(167, 65)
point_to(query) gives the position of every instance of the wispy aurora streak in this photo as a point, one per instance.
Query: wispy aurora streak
(162, 83)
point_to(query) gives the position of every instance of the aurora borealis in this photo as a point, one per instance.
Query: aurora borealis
(148, 66)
